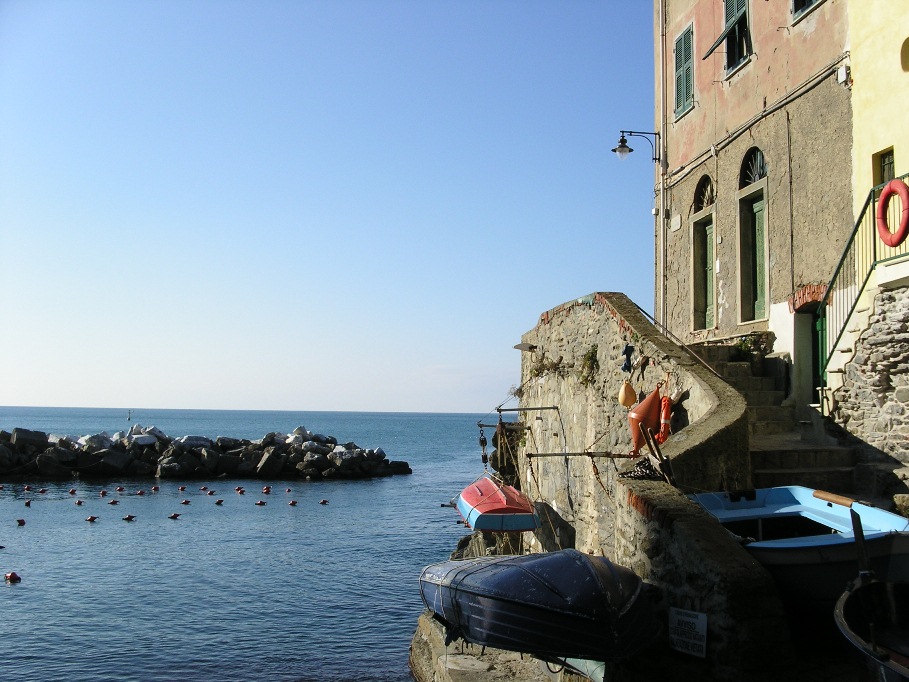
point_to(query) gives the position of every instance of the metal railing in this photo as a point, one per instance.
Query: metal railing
(863, 253)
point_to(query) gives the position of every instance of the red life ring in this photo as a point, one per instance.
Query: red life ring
(665, 416)
(899, 188)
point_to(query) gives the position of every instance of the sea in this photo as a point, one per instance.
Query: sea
(237, 591)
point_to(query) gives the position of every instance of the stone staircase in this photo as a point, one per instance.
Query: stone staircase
(784, 450)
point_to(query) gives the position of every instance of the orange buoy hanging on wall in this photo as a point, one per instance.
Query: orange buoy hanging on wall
(899, 188)
(646, 414)
(665, 417)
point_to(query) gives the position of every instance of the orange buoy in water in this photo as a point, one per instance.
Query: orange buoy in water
(155, 488)
(323, 501)
(204, 487)
(286, 490)
(79, 503)
(219, 502)
(645, 414)
(129, 517)
(292, 503)
(92, 519)
(12, 577)
(28, 503)
(241, 491)
(27, 488)
(174, 516)
(43, 491)
(260, 503)
(210, 492)
(20, 522)
(184, 501)
(103, 493)
(72, 491)
(140, 492)
(181, 488)
(114, 502)
(120, 488)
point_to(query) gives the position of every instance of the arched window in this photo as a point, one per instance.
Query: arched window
(704, 195)
(754, 168)
(754, 277)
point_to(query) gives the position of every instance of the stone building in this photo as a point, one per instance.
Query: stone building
(754, 108)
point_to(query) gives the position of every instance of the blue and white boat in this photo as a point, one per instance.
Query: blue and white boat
(804, 537)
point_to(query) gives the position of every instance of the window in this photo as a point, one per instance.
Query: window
(735, 35)
(684, 67)
(753, 275)
(884, 170)
(702, 261)
(799, 7)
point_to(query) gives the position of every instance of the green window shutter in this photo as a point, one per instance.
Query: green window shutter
(683, 70)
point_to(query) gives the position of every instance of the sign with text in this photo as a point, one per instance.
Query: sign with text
(688, 632)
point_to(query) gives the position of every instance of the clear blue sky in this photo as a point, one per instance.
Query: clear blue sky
(310, 205)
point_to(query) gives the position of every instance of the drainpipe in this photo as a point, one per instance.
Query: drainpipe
(663, 165)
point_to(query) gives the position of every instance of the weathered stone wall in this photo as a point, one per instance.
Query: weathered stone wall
(675, 545)
(577, 367)
(873, 403)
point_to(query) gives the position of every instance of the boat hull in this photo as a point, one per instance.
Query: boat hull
(874, 616)
(490, 506)
(554, 605)
(805, 541)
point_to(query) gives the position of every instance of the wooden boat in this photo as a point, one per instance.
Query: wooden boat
(553, 605)
(805, 539)
(873, 614)
(489, 505)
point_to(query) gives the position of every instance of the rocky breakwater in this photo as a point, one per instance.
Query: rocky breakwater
(145, 452)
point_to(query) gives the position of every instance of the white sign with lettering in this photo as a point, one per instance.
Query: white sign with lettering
(688, 632)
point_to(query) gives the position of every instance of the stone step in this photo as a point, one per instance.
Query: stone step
(735, 370)
(803, 458)
(763, 398)
(832, 479)
(772, 413)
(771, 427)
(751, 383)
(713, 354)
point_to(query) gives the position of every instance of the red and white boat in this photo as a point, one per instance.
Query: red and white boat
(489, 505)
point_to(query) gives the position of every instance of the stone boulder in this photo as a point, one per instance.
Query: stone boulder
(49, 467)
(270, 465)
(25, 440)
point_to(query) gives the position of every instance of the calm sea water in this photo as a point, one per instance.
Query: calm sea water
(231, 592)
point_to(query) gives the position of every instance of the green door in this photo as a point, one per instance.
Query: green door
(708, 276)
(760, 266)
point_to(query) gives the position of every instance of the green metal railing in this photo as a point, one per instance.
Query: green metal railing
(863, 253)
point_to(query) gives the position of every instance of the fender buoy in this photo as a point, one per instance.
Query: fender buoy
(665, 415)
(646, 414)
(899, 188)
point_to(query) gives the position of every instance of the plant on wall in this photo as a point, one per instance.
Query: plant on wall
(590, 365)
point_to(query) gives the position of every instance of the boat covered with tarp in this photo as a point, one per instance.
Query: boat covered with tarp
(553, 605)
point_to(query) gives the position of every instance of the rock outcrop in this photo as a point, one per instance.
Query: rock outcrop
(147, 451)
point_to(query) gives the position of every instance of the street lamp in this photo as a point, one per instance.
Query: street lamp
(623, 150)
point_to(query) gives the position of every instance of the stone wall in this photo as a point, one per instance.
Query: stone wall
(873, 403)
(648, 526)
